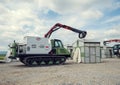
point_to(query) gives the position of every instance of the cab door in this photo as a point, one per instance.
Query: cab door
(58, 48)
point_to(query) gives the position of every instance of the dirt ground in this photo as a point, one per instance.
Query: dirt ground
(105, 73)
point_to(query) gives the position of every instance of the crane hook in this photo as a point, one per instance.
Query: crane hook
(82, 34)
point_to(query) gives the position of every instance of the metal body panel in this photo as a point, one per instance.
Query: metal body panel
(37, 45)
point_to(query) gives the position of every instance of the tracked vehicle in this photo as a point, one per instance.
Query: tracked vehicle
(116, 47)
(36, 51)
(116, 50)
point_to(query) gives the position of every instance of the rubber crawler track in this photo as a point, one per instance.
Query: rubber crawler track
(38, 61)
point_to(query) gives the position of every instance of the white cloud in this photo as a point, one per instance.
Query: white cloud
(113, 32)
(69, 7)
(23, 17)
(113, 19)
(96, 35)
(91, 14)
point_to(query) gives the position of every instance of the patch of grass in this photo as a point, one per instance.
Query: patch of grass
(2, 57)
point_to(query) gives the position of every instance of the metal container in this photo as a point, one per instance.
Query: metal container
(90, 51)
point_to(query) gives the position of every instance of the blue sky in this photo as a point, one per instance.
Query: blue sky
(19, 18)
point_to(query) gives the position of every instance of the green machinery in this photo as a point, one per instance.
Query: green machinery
(37, 51)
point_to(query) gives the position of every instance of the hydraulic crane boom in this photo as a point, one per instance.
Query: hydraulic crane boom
(57, 26)
(109, 41)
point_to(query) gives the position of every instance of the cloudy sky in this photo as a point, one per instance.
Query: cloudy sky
(19, 18)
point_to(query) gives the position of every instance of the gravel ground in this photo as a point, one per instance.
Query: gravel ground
(105, 73)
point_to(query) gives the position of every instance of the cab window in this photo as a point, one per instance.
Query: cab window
(58, 43)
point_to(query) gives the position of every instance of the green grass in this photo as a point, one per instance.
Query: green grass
(2, 57)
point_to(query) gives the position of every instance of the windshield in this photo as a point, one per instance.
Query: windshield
(58, 43)
(116, 46)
